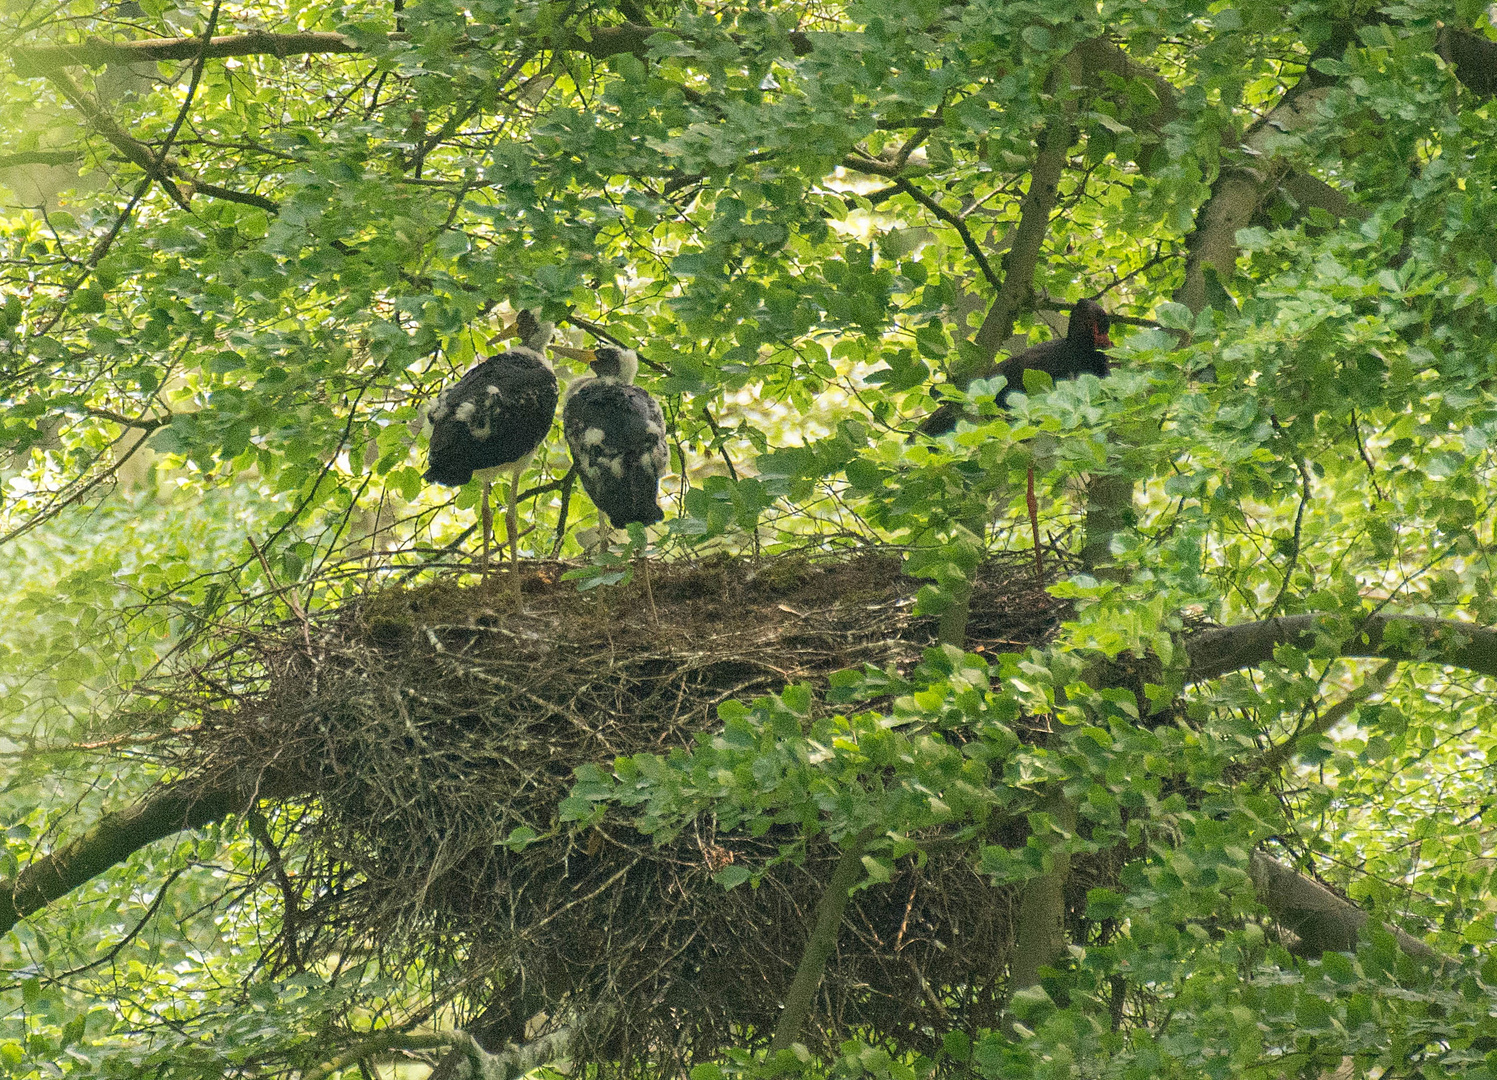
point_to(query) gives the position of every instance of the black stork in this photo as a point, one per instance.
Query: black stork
(616, 433)
(491, 420)
(1078, 353)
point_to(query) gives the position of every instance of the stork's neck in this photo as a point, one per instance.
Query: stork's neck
(539, 354)
(537, 340)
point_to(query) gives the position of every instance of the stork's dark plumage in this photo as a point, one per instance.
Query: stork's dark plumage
(616, 432)
(492, 419)
(1078, 353)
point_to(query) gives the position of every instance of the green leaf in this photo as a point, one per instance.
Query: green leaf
(1174, 316)
(731, 876)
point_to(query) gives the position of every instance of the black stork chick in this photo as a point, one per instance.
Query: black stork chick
(616, 433)
(492, 420)
(1078, 353)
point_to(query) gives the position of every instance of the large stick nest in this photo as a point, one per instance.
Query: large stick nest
(403, 737)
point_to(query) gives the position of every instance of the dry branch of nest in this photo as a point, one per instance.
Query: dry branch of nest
(420, 729)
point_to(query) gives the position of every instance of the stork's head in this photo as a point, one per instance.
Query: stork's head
(1089, 325)
(534, 334)
(610, 362)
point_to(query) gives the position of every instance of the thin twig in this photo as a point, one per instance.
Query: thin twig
(1356, 431)
(140, 423)
(722, 449)
(291, 599)
(113, 953)
(260, 829)
(1299, 520)
(566, 506)
(192, 87)
(956, 223)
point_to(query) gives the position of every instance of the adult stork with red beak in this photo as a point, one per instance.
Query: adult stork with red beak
(1078, 353)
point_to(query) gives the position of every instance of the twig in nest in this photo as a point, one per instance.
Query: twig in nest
(288, 592)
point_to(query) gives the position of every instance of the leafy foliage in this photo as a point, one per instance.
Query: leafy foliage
(229, 283)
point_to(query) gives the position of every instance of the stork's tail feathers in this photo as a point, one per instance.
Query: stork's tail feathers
(643, 485)
(451, 475)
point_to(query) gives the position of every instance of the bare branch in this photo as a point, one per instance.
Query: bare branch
(958, 224)
(111, 840)
(599, 42)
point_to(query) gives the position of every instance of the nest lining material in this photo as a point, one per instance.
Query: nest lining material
(408, 733)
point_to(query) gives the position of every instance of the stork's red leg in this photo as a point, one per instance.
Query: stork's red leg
(1034, 523)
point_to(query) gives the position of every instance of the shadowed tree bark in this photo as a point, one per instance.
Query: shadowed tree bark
(1323, 921)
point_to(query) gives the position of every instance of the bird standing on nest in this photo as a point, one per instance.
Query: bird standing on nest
(491, 420)
(1078, 353)
(616, 433)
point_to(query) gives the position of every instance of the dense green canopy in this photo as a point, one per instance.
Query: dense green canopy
(243, 244)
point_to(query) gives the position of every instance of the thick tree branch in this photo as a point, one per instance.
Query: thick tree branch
(41, 157)
(1323, 921)
(1040, 932)
(519, 1060)
(1102, 63)
(133, 150)
(1311, 193)
(1418, 639)
(1239, 191)
(213, 191)
(111, 840)
(381, 1042)
(599, 42)
(1019, 261)
(1023, 256)
(1474, 57)
(160, 168)
(819, 945)
(44, 59)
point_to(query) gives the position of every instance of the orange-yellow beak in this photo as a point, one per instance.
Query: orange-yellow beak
(509, 332)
